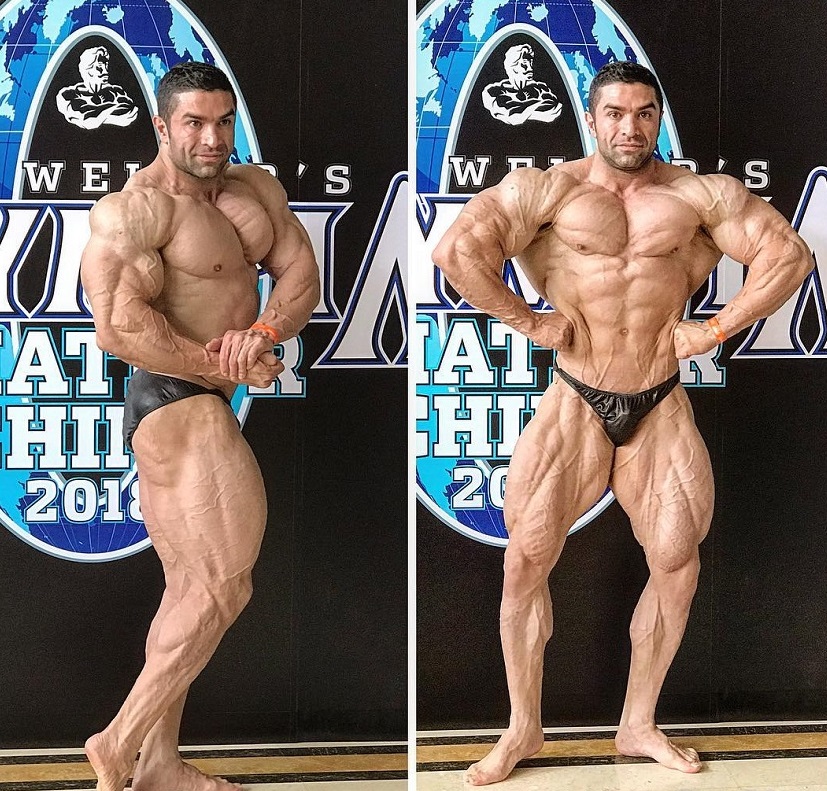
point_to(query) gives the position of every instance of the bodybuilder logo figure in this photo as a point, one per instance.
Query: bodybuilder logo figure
(95, 101)
(519, 97)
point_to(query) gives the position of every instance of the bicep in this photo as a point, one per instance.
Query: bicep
(291, 250)
(746, 225)
(498, 223)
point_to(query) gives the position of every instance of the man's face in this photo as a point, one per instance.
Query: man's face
(625, 124)
(200, 132)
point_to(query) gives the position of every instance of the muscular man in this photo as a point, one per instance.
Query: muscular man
(519, 97)
(95, 101)
(616, 242)
(170, 271)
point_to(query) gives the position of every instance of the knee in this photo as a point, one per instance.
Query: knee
(523, 571)
(674, 552)
(231, 595)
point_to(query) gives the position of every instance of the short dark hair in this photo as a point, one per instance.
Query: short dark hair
(623, 71)
(190, 76)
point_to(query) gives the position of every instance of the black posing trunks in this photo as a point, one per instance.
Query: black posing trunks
(147, 392)
(620, 412)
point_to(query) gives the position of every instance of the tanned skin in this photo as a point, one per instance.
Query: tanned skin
(170, 271)
(616, 242)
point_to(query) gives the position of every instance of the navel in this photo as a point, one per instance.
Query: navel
(216, 268)
(624, 331)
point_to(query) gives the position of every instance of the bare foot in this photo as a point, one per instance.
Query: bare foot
(498, 764)
(651, 742)
(177, 775)
(112, 768)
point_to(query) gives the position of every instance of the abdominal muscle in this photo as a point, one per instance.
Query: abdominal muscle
(205, 307)
(623, 314)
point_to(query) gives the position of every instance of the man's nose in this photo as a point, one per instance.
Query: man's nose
(628, 125)
(209, 135)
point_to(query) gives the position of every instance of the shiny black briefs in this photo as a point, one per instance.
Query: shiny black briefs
(147, 392)
(620, 412)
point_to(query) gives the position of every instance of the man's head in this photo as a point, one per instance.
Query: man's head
(189, 76)
(196, 119)
(519, 64)
(627, 72)
(93, 66)
(625, 108)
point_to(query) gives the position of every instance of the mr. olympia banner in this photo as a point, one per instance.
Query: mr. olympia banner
(477, 380)
(77, 84)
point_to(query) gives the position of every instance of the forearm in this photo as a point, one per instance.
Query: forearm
(771, 280)
(477, 276)
(292, 301)
(147, 340)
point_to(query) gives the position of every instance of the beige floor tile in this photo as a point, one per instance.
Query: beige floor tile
(807, 787)
(356, 785)
(441, 781)
(776, 773)
(332, 785)
(623, 777)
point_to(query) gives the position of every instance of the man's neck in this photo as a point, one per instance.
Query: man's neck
(175, 181)
(621, 182)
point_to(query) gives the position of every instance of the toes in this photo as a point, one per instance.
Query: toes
(688, 753)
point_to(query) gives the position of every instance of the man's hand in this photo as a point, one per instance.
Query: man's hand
(693, 337)
(551, 330)
(246, 357)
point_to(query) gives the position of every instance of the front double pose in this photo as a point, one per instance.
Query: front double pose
(617, 242)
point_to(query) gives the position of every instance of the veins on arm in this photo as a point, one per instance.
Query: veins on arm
(291, 263)
(496, 224)
(752, 232)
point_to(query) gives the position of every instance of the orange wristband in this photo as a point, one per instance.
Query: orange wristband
(267, 330)
(719, 334)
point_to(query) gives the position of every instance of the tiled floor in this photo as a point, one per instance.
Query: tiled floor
(763, 774)
(289, 767)
(335, 785)
(737, 757)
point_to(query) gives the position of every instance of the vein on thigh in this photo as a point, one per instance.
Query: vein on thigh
(560, 466)
(207, 496)
(663, 478)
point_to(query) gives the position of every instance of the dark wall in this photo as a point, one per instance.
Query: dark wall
(743, 81)
(320, 653)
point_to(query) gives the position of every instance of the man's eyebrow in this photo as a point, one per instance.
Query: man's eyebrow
(648, 106)
(197, 117)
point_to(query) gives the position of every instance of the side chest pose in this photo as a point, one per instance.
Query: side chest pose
(171, 274)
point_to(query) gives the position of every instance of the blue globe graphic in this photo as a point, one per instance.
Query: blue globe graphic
(452, 40)
(451, 36)
(159, 33)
